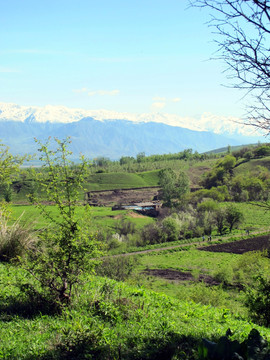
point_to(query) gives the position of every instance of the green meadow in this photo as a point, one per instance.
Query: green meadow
(103, 217)
(110, 320)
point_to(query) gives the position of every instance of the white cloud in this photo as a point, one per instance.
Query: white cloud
(82, 90)
(158, 98)
(104, 92)
(158, 105)
(176, 100)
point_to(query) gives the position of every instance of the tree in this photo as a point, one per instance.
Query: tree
(220, 220)
(9, 164)
(173, 186)
(67, 246)
(140, 157)
(243, 29)
(220, 173)
(233, 216)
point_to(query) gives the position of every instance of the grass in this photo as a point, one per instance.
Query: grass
(111, 320)
(108, 181)
(147, 319)
(255, 217)
(188, 260)
(101, 216)
(232, 271)
(250, 165)
(15, 238)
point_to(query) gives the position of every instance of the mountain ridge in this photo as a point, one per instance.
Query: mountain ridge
(110, 137)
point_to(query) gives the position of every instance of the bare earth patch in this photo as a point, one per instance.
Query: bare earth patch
(176, 275)
(123, 196)
(135, 215)
(258, 243)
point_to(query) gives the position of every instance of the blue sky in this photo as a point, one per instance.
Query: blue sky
(136, 56)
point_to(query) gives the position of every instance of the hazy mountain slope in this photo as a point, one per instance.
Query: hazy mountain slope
(111, 138)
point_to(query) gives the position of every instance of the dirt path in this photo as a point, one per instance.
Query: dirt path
(199, 243)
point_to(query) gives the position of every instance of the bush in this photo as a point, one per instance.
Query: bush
(224, 275)
(258, 301)
(171, 229)
(125, 227)
(68, 248)
(151, 234)
(118, 268)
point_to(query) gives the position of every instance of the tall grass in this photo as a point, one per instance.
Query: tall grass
(15, 239)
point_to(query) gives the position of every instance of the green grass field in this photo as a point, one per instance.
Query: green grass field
(108, 181)
(101, 217)
(251, 165)
(255, 217)
(109, 320)
(224, 268)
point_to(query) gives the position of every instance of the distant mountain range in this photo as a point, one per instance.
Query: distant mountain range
(100, 135)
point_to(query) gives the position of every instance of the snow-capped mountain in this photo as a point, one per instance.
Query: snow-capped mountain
(113, 134)
(62, 114)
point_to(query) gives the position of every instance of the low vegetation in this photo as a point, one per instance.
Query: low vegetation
(60, 299)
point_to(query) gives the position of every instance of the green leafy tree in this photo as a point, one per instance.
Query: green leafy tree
(9, 165)
(221, 172)
(170, 229)
(173, 186)
(262, 151)
(140, 157)
(66, 248)
(255, 188)
(220, 220)
(258, 300)
(8, 193)
(233, 216)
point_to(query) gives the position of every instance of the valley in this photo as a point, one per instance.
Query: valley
(163, 278)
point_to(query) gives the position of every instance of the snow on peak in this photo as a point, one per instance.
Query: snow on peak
(62, 114)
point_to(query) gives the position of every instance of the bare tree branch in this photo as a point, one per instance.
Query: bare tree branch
(242, 28)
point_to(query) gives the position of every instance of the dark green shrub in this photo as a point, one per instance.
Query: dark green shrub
(125, 227)
(118, 268)
(258, 301)
(170, 229)
(151, 234)
(253, 348)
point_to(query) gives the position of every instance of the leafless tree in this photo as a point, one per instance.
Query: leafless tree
(242, 29)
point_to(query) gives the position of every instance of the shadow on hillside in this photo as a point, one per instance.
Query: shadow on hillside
(25, 308)
(173, 346)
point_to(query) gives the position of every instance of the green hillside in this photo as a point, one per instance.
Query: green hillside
(109, 181)
(110, 320)
(251, 165)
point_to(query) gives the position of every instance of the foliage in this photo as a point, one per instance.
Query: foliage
(233, 216)
(110, 320)
(220, 173)
(253, 348)
(258, 300)
(9, 164)
(173, 185)
(170, 229)
(220, 219)
(118, 268)
(65, 249)
(125, 227)
(151, 234)
(7, 193)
